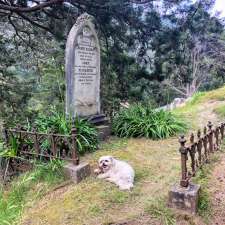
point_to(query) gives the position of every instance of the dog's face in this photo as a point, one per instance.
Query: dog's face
(105, 163)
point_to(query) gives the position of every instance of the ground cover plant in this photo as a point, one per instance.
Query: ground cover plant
(143, 121)
(55, 122)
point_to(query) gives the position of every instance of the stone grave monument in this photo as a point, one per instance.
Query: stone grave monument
(83, 84)
(83, 74)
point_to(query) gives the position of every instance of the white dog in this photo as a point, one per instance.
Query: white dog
(116, 171)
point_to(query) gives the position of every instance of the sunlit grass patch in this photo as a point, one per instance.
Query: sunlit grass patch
(220, 110)
(157, 209)
(25, 188)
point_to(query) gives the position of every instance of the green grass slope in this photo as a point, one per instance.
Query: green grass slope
(157, 166)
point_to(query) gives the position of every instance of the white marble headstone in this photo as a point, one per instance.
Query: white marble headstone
(82, 69)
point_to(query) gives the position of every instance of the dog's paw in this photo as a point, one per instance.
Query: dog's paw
(126, 187)
(97, 171)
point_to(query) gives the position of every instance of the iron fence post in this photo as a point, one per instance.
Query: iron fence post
(183, 151)
(199, 147)
(210, 125)
(75, 157)
(192, 153)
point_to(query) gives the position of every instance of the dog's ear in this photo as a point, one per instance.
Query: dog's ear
(111, 159)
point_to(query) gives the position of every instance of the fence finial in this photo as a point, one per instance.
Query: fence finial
(205, 130)
(182, 140)
(199, 134)
(192, 138)
(210, 125)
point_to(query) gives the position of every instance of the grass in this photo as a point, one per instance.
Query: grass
(157, 166)
(98, 202)
(158, 209)
(31, 185)
(220, 111)
(204, 205)
(199, 109)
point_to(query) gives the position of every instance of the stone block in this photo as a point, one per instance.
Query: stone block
(104, 132)
(77, 173)
(185, 199)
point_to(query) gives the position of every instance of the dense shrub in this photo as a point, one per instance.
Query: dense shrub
(143, 121)
(58, 123)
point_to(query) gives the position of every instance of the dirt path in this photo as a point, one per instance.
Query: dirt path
(217, 193)
(206, 113)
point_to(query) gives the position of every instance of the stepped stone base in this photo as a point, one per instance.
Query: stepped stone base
(104, 132)
(77, 173)
(185, 199)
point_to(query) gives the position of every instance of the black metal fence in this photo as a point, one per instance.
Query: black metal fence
(199, 150)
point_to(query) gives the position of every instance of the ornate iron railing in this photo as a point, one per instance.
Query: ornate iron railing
(199, 150)
(42, 145)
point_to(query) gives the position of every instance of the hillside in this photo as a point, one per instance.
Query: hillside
(157, 166)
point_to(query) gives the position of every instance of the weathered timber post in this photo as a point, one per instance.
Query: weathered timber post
(184, 152)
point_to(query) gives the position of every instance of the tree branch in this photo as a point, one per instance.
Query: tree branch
(19, 9)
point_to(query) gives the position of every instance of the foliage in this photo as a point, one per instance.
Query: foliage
(143, 121)
(148, 53)
(58, 123)
(13, 201)
(9, 152)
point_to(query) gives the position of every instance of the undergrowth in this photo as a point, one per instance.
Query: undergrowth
(56, 122)
(13, 198)
(143, 121)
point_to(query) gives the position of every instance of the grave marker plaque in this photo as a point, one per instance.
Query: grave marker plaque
(82, 69)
